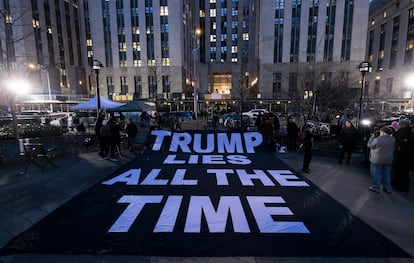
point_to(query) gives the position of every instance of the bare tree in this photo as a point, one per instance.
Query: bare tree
(11, 18)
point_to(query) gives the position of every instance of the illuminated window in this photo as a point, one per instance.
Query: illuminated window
(163, 10)
(202, 13)
(212, 12)
(410, 45)
(122, 46)
(165, 61)
(89, 42)
(8, 19)
(245, 36)
(135, 30)
(136, 46)
(136, 63)
(36, 23)
(123, 64)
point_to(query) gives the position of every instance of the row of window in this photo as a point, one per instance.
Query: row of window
(312, 46)
(138, 87)
(395, 36)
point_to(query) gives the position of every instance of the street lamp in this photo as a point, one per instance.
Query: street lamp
(97, 65)
(196, 47)
(364, 68)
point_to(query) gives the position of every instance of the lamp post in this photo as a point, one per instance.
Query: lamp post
(97, 65)
(46, 70)
(196, 46)
(364, 68)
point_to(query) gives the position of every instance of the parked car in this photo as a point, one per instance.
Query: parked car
(232, 120)
(255, 112)
(182, 115)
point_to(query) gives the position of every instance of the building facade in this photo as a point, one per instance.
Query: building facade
(311, 47)
(390, 45)
(140, 44)
(42, 42)
(227, 51)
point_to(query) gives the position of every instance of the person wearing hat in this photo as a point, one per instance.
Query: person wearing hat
(404, 156)
(381, 157)
(307, 147)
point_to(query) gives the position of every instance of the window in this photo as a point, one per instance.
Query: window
(124, 85)
(277, 85)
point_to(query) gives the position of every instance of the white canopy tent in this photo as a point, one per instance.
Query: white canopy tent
(92, 104)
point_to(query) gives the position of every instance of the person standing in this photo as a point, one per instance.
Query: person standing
(381, 157)
(307, 147)
(292, 133)
(131, 130)
(404, 155)
(348, 138)
(215, 121)
(97, 128)
(113, 138)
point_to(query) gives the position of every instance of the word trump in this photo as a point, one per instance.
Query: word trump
(262, 207)
(220, 142)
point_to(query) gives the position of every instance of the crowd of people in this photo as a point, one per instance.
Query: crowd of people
(389, 149)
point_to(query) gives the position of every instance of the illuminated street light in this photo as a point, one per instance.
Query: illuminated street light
(18, 86)
(97, 65)
(364, 68)
(196, 47)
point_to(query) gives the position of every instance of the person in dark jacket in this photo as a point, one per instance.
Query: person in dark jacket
(292, 133)
(307, 147)
(348, 137)
(131, 130)
(404, 151)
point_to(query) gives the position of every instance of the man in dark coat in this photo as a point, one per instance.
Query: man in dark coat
(131, 130)
(307, 147)
(292, 133)
(404, 159)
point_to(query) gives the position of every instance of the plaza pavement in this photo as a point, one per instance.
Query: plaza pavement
(24, 200)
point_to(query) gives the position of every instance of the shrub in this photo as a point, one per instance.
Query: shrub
(32, 131)
(6, 132)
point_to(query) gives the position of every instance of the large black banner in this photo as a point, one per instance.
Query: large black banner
(205, 194)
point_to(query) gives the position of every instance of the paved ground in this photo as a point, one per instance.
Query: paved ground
(26, 199)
